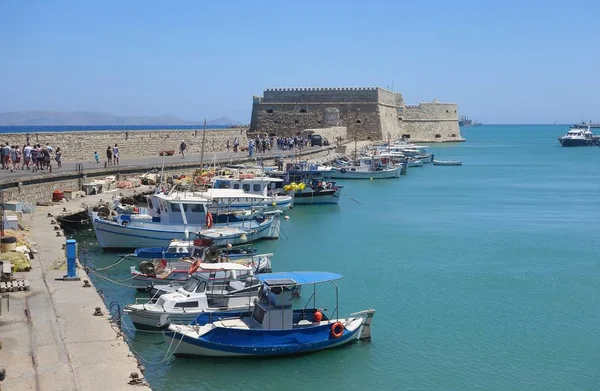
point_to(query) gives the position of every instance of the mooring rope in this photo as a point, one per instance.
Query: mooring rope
(114, 264)
(111, 280)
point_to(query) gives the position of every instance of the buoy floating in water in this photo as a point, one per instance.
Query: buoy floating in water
(274, 204)
(371, 178)
(287, 217)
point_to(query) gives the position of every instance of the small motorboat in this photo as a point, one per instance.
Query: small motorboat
(274, 328)
(414, 163)
(202, 299)
(160, 272)
(447, 162)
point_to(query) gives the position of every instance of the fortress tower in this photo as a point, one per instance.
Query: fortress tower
(366, 113)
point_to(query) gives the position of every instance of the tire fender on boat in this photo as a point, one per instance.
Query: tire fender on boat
(337, 329)
(343, 170)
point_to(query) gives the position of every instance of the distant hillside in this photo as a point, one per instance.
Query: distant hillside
(33, 118)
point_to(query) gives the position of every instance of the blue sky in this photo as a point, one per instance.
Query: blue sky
(501, 61)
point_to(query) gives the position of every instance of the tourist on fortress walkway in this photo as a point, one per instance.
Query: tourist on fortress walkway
(116, 154)
(97, 157)
(27, 155)
(34, 158)
(250, 148)
(46, 164)
(58, 157)
(5, 155)
(182, 148)
(17, 159)
(236, 144)
(109, 154)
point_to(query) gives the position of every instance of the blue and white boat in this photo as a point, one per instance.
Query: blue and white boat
(274, 327)
(177, 214)
(179, 249)
(310, 184)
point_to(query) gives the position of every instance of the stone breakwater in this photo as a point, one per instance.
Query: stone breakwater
(80, 146)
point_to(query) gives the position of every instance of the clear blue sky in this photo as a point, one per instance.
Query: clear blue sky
(501, 61)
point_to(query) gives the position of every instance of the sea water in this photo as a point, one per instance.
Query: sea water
(484, 276)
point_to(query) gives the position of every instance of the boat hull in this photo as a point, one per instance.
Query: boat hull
(347, 173)
(224, 342)
(148, 234)
(570, 142)
(151, 320)
(321, 197)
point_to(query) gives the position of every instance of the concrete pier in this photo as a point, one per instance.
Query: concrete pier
(50, 338)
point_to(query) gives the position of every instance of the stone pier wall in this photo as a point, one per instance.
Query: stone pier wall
(80, 146)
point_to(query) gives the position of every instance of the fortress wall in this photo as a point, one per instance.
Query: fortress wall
(388, 98)
(431, 122)
(290, 119)
(431, 111)
(320, 95)
(389, 122)
(80, 146)
(428, 131)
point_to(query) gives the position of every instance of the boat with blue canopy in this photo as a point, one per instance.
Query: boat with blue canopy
(274, 327)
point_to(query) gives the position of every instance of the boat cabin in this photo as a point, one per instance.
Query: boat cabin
(249, 183)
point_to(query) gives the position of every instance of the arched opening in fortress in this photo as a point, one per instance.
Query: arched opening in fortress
(303, 110)
(358, 121)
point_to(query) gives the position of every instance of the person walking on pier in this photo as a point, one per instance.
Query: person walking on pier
(236, 144)
(116, 155)
(109, 154)
(97, 157)
(58, 157)
(5, 156)
(27, 155)
(182, 148)
(34, 158)
(227, 145)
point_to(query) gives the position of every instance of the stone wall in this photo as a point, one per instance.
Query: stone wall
(80, 146)
(431, 122)
(39, 191)
(366, 113)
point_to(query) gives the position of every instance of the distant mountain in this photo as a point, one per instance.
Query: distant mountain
(33, 118)
(223, 121)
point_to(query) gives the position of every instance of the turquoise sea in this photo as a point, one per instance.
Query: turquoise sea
(484, 277)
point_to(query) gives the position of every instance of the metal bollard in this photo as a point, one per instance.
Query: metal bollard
(71, 254)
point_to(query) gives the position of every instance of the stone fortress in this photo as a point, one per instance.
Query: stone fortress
(370, 113)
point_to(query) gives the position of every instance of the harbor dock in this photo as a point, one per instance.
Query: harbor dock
(59, 334)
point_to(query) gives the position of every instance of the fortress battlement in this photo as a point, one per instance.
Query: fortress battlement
(330, 89)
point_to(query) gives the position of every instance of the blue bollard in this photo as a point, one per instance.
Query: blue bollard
(71, 253)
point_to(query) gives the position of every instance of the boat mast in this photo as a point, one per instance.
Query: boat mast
(202, 151)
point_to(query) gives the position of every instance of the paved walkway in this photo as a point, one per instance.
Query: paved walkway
(51, 341)
(220, 157)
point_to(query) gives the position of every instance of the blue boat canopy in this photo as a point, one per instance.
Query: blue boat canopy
(297, 278)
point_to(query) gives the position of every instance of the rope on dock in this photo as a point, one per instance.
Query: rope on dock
(167, 353)
(88, 270)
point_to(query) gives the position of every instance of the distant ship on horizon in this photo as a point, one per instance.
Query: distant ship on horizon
(465, 121)
(584, 125)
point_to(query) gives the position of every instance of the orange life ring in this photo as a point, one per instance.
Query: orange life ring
(337, 329)
(209, 220)
(163, 263)
(195, 266)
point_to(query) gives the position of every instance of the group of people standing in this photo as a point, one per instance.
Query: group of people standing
(29, 157)
(112, 155)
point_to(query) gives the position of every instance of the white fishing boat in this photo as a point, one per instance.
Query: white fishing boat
(201, 298)
(368, 167)
(254, 184)
(177, 214)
